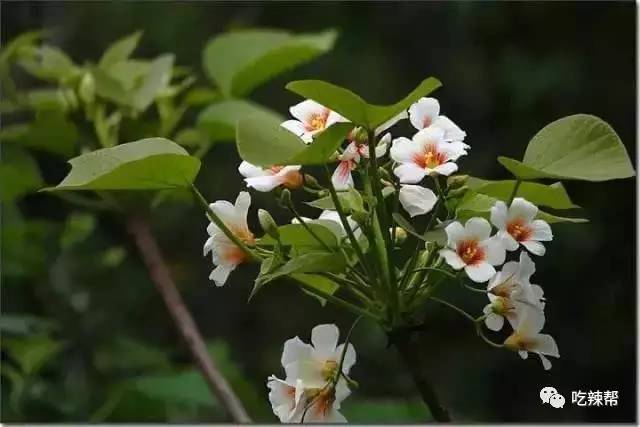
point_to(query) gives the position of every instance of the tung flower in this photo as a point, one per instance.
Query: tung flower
(417, 200)
(427, 153)
(226, 254)
(509, 291)
(517, 225)
(527, 337)
(426, 112)
(270, 178)
(341, 178)
(312, 118)
(471, 247)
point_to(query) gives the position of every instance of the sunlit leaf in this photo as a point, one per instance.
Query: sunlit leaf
(555, 196)
(120, 50)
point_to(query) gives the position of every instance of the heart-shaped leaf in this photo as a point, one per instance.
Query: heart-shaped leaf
(555, 196)
(147, 164)
(575, 147)
(353, 107)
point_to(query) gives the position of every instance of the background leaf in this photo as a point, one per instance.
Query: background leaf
(555, 196)
(19, 173)
(240, 61)
(120, 50)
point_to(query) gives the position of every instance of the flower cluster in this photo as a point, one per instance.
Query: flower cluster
(316, 378)
(316, 375)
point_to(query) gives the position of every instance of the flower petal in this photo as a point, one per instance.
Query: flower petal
(294, 126)
(480, 272)
(495, 251)
(478, 228)
(541, 231)
(264, 183)
(306, 109)
(220, 274)
(521, 208)
(424, 112)
(452, 258)
(455, 233)
(508, 241)
(248, 170)
(341, 178)
(444, 169)
(545, 344)
(417, 200)
(534, 247)
(404, 150)
(349, 357)
(494, 322)
(325, 340)
(295, 350)
(409, 173)
(451, 131)
(499, 215)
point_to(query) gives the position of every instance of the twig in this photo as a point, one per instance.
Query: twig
(187, 327)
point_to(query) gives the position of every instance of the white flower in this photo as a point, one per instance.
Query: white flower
(341, 178)
(308, 393)
(225, 254)
(427, 153)
(527, 337)
(331, 220)
(426, 112)
(417, 200)
(471, 248)
(270, 178)
(312, 118)
(509, 291)
(517, 225)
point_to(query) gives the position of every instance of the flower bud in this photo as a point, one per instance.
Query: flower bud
(267, 223)
(360, 217)
(359, 135)
(458, 192)
(457, 181)
(311, 181)
(285, 197)
(87, 88)
(293, 180)
(401, 236)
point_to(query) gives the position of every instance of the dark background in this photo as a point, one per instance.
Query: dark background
(508, 69)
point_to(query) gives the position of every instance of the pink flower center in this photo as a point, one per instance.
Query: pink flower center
(317, 121)
(431, 158)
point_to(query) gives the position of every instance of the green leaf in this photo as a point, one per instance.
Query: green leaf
(49, 63)
(19, 173)
(240, 61)
(25, 324)
(575, 147)
(13, 47)
(78, 227)
(156, 80)
(219, 121)
(555, 196)
(297, 236)
(263, 142)
(120, 50)
(147, 164)
(312, 262)
(475, 204)
(318, 282)
(51, 132)
(351, 201)
(185, 387)
(33, 352)
(353, 107)
(124, 353)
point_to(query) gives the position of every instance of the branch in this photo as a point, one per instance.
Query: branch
(160, 276)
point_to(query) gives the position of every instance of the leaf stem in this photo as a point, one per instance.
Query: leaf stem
(515, 191)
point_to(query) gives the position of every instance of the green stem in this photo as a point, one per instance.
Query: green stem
(454, 307)
(440, 270)
(344, 350)
(515, 191)
(221, 225)
(338, 301)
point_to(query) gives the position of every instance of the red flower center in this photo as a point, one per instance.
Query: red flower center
(431, 158)
(470, 252)
(519, 229)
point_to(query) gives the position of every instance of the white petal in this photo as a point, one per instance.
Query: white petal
(383, 145)
(452, 150)
(404, 150)
(264, 183)
(409, 173)
(541, 231)
(243, 201)
(451, 131)
(478, 228)
(455, 233)
(349, 357)
(531, 321)
(424, 112)
(499, 215)
(248, 170)
(495, 251)
(428, 136)
(280, 397)
(480, 272)
(534, 247)
(325, 340)
(520, 208)
(444, 169)
(417, 200)
(341, 177)
(334, 118)
(494, 322)
(225, 210)
(208, 246)
(523, 354)
(305, 110)
(526, 268)
(546, 363)
(545, 344)
(452, 258)
(220, 274)
(294, 126)
(295, 350)
(508, 241)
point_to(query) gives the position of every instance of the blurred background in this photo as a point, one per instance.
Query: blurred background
(80, 311)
